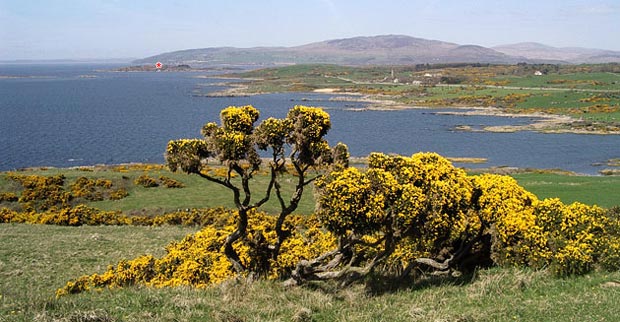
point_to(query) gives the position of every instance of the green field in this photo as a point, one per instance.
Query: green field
(36, 259)
(593, 80)
(586, 92)
(592, 190)
(200, 193)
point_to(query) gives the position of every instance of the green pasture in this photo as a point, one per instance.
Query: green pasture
(600, 81)
(603, 191)
(586, 92)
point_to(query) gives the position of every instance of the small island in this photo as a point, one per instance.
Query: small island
(175, 68)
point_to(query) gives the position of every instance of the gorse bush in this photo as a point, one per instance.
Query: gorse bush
(84, 215)
(198, 260)
(43, 193)
(8, 197)
(170, 183)
(90, 189)
(422, 212)
(146, 181)
(294, 144)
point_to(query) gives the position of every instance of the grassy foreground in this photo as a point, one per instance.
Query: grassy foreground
(37, 259)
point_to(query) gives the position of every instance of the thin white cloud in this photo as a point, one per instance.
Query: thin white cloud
(600, 9)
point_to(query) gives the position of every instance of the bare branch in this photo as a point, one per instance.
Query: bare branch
(272, 181)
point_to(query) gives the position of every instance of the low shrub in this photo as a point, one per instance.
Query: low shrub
(8, 197)
(198, 260)
(146, 181)
(118, 194)
(40, 192)
(170, 183)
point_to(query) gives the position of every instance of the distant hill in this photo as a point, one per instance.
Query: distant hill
(577, 55)
(381, 50)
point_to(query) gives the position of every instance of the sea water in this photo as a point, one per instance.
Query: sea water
(66, 115)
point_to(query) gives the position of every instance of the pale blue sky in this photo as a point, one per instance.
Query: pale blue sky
(51, 29)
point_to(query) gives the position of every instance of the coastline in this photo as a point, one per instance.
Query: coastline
(544, 123)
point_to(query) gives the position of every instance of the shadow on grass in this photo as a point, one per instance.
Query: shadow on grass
(379, 284)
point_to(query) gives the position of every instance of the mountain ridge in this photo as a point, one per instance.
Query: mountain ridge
(385, 50)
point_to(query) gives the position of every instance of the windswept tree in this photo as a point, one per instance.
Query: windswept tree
(298, 139)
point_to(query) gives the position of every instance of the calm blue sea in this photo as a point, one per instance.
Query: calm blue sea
(72, 114)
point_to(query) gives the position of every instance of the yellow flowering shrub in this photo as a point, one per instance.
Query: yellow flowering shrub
(272, 132)
(90, 189)
(118, 194)
(505, 208)
(198, 260)
(354, 201)
(308, 127)
(436, 211)
(7, 215)
(8, 197)
(235, 143)
(575, 234)
(170, 183)
(432, 203)
(232, 141)
(186, 154)
(84, 215)
(146, 181)
(239, 119)
(609, 243)
(146, 167)
(400, 209)
(40, 192)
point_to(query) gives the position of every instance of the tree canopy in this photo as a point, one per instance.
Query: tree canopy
(297, 139)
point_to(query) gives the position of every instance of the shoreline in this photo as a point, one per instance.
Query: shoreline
(544, 123)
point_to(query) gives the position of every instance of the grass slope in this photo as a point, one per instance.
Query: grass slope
(37, 259)
(198, 192)
(592, 190)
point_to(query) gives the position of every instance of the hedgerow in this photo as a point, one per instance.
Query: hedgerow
(84, 215)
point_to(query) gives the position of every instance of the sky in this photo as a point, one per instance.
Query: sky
(96, 29)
